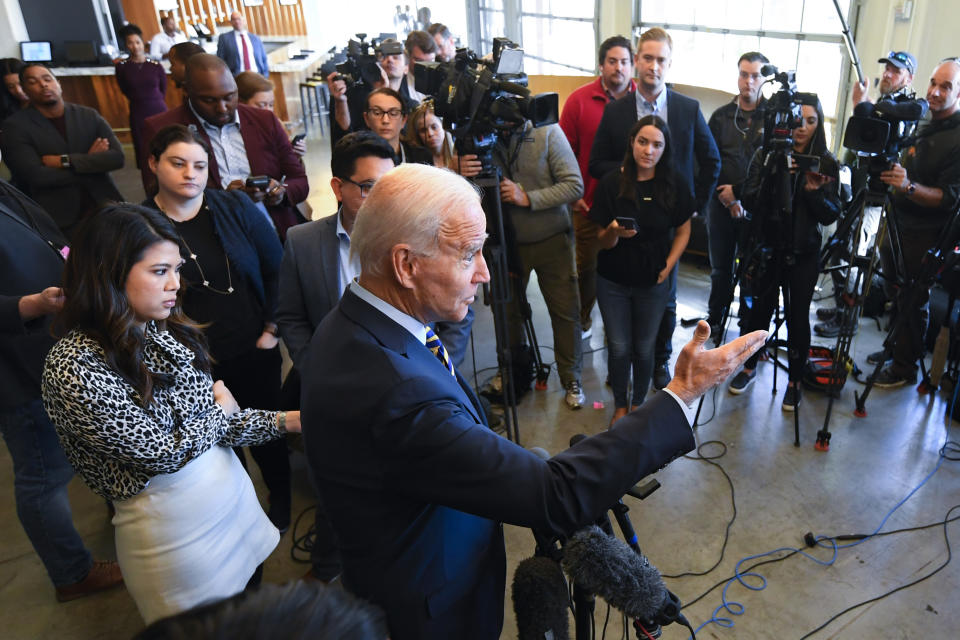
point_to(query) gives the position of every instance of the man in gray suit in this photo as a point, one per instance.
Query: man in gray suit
(61, 153)
(314, 273)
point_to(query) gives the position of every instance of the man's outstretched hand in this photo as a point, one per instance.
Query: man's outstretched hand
(699, 369)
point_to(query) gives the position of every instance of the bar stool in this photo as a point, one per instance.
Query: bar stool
(310, 103)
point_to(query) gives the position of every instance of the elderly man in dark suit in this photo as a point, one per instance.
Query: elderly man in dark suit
(696, 159)
(242, 50)
(246, 141)
(32, 251)
(316, 270)
(415, 483)
(61, 153)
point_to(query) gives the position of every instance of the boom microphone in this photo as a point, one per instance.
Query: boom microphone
(768, 70)
(606, 566)
(540, 600)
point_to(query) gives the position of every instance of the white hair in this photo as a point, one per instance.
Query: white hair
(407, 206)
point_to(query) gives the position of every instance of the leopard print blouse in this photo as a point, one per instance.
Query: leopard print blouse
(114, 443)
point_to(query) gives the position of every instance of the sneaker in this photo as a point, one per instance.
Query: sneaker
(827, 313)
(833, 328)
(890, 377)
(586, 333)
(495, 385)
(791, 398)
(575, 397)
(874, 358)
(742, 381)
(102, 575)
(661, 376)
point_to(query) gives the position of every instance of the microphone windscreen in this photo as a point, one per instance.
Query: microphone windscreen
(540, 600)
(606, 566)
(768, 70)
(864, 109)
(909, 110)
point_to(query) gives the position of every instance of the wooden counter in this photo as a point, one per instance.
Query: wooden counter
(97, 87)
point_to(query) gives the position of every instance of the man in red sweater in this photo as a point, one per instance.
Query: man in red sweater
(579, 120)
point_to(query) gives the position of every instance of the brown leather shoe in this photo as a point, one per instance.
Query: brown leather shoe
(103, 575)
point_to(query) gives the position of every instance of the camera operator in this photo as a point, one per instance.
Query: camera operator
(446, 46)
(926, 191)
(541, 179)
(899, 67)
(419, 47)
(349, 103)
(794, 240)
(737, 128)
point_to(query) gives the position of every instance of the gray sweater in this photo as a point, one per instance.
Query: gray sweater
(541, 161)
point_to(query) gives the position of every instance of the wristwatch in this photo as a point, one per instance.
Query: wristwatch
(65, 161)
(911, 188)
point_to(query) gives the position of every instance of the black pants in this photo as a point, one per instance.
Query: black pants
(763, 292)
(254, 379)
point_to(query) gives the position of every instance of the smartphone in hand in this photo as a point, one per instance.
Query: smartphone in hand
(626, 223)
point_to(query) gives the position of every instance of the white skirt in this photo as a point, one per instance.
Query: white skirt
(192, 536)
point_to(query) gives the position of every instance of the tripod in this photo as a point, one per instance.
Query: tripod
(500, 253)
(909, 298)
(850, 302)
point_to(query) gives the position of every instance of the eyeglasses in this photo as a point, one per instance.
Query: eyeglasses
(377, 112)
(363, 186)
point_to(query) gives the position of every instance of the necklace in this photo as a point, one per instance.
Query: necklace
(193, 256)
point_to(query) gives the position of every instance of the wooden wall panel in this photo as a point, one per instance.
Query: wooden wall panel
(143, 15)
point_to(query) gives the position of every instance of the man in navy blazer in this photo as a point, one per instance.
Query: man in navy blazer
(230, 48)
(696, 159)
(415, 483)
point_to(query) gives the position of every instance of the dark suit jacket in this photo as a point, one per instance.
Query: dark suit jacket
(416, 485)
(228, 52)
(268, 150)
(28, 135)
(695, 155)
(30, 262)
(309, 282)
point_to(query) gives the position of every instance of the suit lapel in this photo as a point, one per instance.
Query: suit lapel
(330, 257)
(396, 338)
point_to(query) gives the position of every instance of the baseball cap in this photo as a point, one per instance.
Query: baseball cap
(901, 60)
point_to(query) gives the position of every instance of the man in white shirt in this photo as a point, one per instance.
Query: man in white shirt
(242, 50)
(161, 43)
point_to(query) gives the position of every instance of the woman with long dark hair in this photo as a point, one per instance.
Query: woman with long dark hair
(12, 98)
(644, 217)
(129, 391)
(785, 252)
(143, 81)
(230, 284)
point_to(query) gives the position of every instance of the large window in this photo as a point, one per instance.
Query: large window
(558, 36)
(708, 38)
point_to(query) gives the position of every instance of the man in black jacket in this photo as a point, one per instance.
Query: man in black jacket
(31, 260)
(926, 193)
(737, 128)
(695, 157)
(63, 153)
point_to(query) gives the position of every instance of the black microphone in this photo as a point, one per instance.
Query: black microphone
(540, 600)
(768, 70)
(606, 566)
(909, 110)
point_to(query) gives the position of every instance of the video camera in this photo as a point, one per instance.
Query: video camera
(880, 131)
(356, 64)
(480, 100)
(782, 113)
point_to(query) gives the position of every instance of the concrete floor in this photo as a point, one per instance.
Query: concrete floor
(782, 492)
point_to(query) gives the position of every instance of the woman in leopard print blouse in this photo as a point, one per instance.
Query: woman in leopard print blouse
(130, 394)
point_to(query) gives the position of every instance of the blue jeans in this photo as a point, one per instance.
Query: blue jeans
(723, 235)
(631, 317)
(41, 473)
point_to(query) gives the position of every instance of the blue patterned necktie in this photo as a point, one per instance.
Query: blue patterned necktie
(434, 344)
